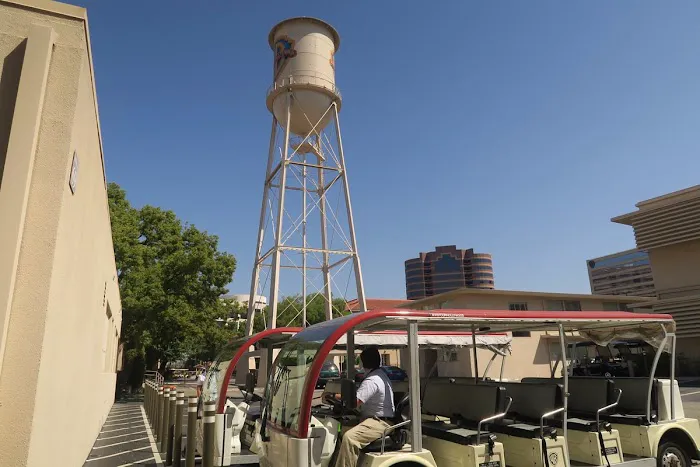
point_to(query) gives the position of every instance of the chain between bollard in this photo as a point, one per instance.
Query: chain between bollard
(191, 431)
(209, 433)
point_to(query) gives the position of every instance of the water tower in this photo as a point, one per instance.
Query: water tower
(306, 239)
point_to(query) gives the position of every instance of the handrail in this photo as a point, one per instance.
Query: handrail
(549, 415)
(607, 407)
(391, 428)
(492, 418)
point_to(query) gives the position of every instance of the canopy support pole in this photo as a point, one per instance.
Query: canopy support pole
(673, 375)
(476, 358)
(562, 342)
(350, 356)
(414, 388)
(652, 373)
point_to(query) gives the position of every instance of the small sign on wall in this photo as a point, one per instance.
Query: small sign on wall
(73, 180)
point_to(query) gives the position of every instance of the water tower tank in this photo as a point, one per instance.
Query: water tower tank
(304, 50)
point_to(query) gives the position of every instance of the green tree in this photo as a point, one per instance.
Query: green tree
(289, 311)
(171, 277)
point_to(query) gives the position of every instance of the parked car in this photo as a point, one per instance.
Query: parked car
(395, 373)
(329, 371)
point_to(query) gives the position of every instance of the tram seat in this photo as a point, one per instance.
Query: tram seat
(465, 405)
(632, 409)
(586, 396)
(530, 402)
(396, 439)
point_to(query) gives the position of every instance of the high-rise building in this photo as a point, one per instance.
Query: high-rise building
(624, 273)
(668, 228)
(445, 269)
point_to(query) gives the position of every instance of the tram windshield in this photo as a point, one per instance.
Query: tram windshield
(286, 386)
(215, 376)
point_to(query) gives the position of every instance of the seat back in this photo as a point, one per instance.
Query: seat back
(470, 402)
(534, 399)
(633, 400)
(586, 394)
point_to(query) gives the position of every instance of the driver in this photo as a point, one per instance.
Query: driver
(375, 400)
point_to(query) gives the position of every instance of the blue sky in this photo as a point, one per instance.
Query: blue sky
(515, 128)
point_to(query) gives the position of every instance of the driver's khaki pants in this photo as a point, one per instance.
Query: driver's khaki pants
(357, 438)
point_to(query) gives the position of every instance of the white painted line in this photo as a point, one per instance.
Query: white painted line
(121, 436)
(137, 462)
(109, 425)
(124, 412)
(117, 444)
(154, 448)
(130, 419)
(690, 393)
(117, 454)
(118, 429)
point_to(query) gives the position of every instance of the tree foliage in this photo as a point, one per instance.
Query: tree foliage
(171, 277)
(289, 311)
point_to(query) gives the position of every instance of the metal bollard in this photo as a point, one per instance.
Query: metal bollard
(159, 418)
(171, 428)
(151, 399)
(209, 434)
(166, 419)
(147, 400)
(191, 431)
(177, 441)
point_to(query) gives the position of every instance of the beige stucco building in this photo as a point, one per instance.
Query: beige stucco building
(60, 314)
(668, 229)
(533, 353)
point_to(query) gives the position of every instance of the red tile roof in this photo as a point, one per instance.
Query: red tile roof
(375, 304)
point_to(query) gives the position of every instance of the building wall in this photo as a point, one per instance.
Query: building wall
(668, 228)
(64, 315)
(676, 266)
(624, 273)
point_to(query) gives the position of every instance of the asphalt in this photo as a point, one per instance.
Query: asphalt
(690, 393)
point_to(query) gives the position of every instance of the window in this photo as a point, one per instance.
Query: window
(517, 306)
(386, 359)
(521, 333)
(614, 306)
(563, 305)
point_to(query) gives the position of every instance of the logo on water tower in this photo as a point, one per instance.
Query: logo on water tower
(284, 50)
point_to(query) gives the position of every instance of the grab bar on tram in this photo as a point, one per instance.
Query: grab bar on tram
(549, 415)
(607, 407)
(491, 419)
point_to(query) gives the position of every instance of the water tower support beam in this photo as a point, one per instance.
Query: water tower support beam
(324, 242)
(261, 229)
(276, 256)
(303, 254)
(351, 223)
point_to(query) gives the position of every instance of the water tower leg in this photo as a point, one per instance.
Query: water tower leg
(325, 269)
(351, 223)
(276, 255)
(261, 232)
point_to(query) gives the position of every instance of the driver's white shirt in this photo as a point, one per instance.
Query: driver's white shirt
(376, 395)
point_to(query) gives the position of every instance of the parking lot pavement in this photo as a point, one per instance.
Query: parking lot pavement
(690, 394)
(125, 440)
